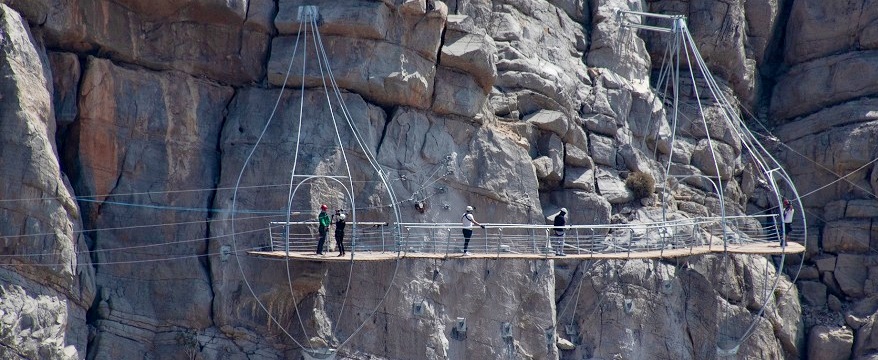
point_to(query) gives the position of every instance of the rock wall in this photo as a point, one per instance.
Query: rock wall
(831, 149)
(518, 107)
(47, 285)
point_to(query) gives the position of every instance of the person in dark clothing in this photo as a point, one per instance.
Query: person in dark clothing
(339, 231)
(323, 221)
(559, 223)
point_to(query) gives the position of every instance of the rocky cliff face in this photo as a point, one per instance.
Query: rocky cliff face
(516, 107)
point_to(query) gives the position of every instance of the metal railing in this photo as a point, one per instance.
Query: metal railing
(447, 238)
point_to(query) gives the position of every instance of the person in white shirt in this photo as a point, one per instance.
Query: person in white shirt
(787, 221)
(467, 221)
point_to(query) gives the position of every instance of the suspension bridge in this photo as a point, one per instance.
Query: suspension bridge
(727, 229)
(375, 241)
(757, 233)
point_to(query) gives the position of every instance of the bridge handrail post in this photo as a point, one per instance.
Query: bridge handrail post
(533, 239)
(271, 237)
(353, 240)
(630, 240)
(698, 233)
(578, 248)
(404, 241)
(499, 240)
(383, 246)
(448, 243)
(594, 240)
(288, 239)
(548, 245)
(486, 240)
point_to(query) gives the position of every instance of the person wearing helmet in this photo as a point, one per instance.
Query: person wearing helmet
(339, 219)
(323, 221)
(787, 221)
(559, 223)
(467, 221)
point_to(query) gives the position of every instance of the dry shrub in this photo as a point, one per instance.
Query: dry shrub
(641, 184)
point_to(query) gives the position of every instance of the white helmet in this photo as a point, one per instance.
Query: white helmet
(469, 208)
(341, 216)
(564, 210)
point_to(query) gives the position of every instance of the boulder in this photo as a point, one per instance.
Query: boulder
(682, 151)
(825, 263)
(35, 321)
(839, 150)
(603, 150)
(402, 76)
(539, 54)
(847, 236)
(577, 156)
(601, 124)
(851, 274)
(833, 303)
(818, 29)
(478, 160)
(761, 18)
(636, 161)
(358, 19)
(408, 24)
(579, 178)
(828, 279)
(457, 94)
(551, 146)
(627, 58)
(222, 41)
(813, 292)
(576, 135)
(578, 10)
(505, 27)
(549, 120)
(810, 86)
(861, 208)
(469, 49)
(721, 33)
(835, 210)
(646, 119)
(545, 169)
(850, 112)
(611, 187)
(708, 121)
(718, 160)
(586, 208)
(810, 272)
(830, 343)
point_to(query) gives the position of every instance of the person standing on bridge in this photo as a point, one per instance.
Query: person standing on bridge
(323, 226)
(467, 221)
(787, 221)
(339, 230)
(559, 223)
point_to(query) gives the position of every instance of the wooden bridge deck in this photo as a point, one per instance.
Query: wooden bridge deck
(751, 248)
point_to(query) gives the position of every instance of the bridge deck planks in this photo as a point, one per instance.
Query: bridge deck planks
(748, 249)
